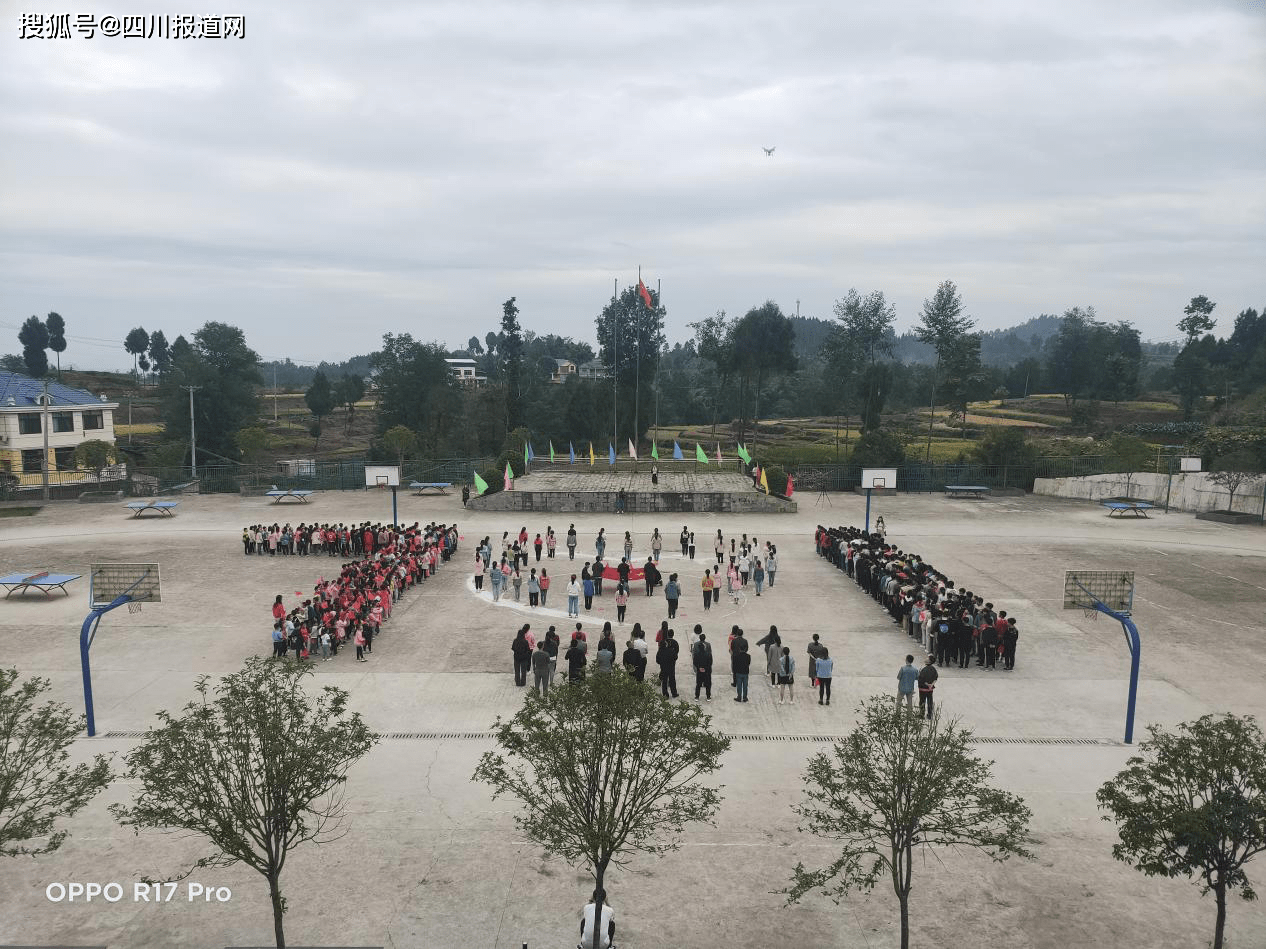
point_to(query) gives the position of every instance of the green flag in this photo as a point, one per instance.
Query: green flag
(526, 457)
(700, 454)
(551, 452)
(480, 485)
(654, 450)
(742, 453)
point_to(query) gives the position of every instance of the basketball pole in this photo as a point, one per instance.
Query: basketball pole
(868, 490)
(87, 633)
(395, 519)
(1132, 640)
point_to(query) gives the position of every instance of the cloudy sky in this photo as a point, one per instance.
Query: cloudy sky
(350, 169)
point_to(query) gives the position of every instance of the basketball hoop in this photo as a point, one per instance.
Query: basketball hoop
(1090, 614)
(134, 606)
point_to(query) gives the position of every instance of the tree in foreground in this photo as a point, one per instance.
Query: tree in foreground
(37, 786)
(1193, 804)
(1234, 471)
(901, 783)
(605, 769)
(256, 765)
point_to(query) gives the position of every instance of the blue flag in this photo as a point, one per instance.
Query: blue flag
(531, 453)
(677, 451)
(610, 454)
(571, 452)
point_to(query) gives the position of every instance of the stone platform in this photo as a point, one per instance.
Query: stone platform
(562, 491)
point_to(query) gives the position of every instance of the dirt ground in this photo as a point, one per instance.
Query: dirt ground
(429, 860)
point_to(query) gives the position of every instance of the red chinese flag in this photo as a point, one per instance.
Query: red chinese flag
(790, 486)
(644, 294)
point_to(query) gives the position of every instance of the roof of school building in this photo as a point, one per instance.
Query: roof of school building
(23, 392)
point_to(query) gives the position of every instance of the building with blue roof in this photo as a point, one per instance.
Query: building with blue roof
(72, 417)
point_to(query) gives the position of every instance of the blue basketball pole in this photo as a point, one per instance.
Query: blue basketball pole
(868, 510)
(1132, 640)
(87, 633)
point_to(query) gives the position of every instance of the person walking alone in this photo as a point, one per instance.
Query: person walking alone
(823, 668)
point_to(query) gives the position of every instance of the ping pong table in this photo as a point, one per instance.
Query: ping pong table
(1122, 508)
(300, 495)
(162, 508)
(45, 582)
(966, 490)
(439, 487)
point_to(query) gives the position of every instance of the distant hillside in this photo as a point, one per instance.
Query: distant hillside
(811, 333)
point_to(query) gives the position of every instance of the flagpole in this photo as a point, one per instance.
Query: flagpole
(659, 355)
(637, 368)
(615, 359)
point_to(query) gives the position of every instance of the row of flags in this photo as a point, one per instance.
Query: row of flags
(701, 456)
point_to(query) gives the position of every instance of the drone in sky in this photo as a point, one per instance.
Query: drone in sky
(768, 151)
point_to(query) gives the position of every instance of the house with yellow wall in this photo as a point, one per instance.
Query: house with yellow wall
(72, 416)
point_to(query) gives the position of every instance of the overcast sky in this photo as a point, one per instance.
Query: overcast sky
(350, 169)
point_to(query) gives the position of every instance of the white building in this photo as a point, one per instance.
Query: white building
(465, 371)
(73, 416)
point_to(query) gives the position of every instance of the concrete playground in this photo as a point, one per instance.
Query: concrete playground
(428, 860)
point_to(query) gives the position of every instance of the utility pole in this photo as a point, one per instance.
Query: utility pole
(274, 392)
(193, 434)
(44, 429)
(615, 361)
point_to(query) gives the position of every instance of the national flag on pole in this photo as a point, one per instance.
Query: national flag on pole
(644, 294)
(571, 453)
(719, 461)
(742, 453)
(610, 454)
(764, 482)
(654, 450)
(676, 450)
(480, 484)
(790, 486)
(509, 477)
(700, 454)
(632, 450)
(591, 455)
(551, 451)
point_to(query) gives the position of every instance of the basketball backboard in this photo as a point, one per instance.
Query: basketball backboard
(382, 476)
(879, 478)
(109, 581)
(1190, 463)
(1113, 588)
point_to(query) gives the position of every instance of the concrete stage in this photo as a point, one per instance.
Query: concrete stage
(581, 489)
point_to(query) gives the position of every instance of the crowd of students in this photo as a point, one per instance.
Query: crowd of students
(333, 540)
(955, 626)
(506, 567)
(539, 658)
(350, 609)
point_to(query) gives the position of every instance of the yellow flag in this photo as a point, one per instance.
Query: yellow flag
(764, 482)
(591, 457)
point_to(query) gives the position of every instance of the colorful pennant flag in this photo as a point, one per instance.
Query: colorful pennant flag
(764, 482)
(591, 455)
(654, 450)
(644, 294)
(551, 451)
(676, 450)
(632, 450)
(719, 461)
(480, 484)
(700, 454)
(509, 478)
(742, 453)
(790, 486)
(526, 458)
(571, 453)
(531, 453)
(610, 454)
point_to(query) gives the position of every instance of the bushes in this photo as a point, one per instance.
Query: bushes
(879, 448)
(776, 478)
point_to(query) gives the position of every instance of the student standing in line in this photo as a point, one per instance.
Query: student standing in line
(522, 653)
(534, 588)
(600, 543)
(701, 656)
(692, 545)
(538, 544)
(787, 676)
(541, 672)
(1010, 637)
(551, 647)
(587, 585)
(771, 565)
(907, 679)
(544, 585)
(480, 569)
(719, 548)
(666, 659)
(359, 639)
(708, 586)
(758, 576)
(571, 542)
(575, 657)
(628, 546)
(621, 602)
(927, 683)
(516, 579)
(685, 539)
(672, 593)
(657, 545)
(573, 597)
(741, 664)
(823, 668)
(551, 542)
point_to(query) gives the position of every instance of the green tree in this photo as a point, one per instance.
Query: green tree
(764, 343)
(226, 372)
(137, 343)
(350, 390)
(1193, 803)
(159, 352)
(630, 337)
(964, 376)
(400, 441)
(56, 337)
(34, 339)
(1069, 366)
(256, 765)
(94, 454)
(878, 448)
(1004, 445)
(1191, 365)
(38, 787)
(510, 353)
(860, 340)
(714, 341)
(1234, 471)
(605, 769)
(252, 442)
(415, 388)
(943, 326)
(320, 400)
(900, 783)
